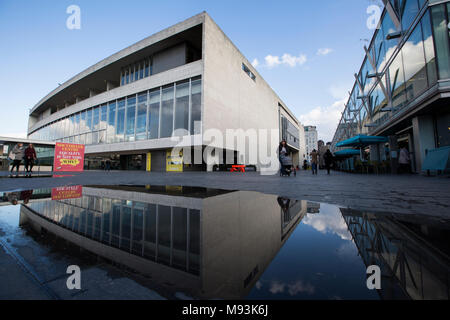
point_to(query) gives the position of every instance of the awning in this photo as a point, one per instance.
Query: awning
(361, 141)
(347, 153)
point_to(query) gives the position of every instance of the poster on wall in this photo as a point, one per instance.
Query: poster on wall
(68, 157)
(174, 162)
(70, 192)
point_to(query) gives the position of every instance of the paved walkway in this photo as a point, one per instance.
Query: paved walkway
(404, 194)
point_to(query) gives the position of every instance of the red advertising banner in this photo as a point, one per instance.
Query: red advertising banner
(68, 157)
(72, 192)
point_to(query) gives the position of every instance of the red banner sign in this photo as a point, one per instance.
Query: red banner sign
(72, 192)
(68, 157)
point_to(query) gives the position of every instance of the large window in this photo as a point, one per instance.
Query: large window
(441, 38)
(111, 122)
(410, 9)
(120, 126)
(141, 120)
(397, 82)
(389, 44)
(89, 120)
(196, 108)
(131, 120)
(167, 112)
(153, 114)
(182, 106)
(96, 119)
(428, 43)
(414, 64)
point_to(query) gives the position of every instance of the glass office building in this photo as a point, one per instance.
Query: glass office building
(402, 88)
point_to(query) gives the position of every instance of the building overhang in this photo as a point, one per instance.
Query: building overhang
(96, 76)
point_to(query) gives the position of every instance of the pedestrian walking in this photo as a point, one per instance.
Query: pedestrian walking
(30, 158)
(328, 159)
(17, 154)
(108, 165)
(314, 161)
(404, 160)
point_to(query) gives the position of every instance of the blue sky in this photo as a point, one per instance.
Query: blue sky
(38, 51)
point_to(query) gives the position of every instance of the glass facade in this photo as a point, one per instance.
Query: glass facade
(441, 35)
(163, 234)
(409, 60)
(151, 114)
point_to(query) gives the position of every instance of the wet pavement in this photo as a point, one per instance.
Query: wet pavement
(406, 194)
(179, 242)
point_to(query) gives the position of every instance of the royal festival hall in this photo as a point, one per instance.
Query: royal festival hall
(402, 91)
(188, 78)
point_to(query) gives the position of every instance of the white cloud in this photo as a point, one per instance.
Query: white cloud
(276, 287)
(287, 59)
(255, 63)
(272, 61)
(292, 288)
(300, 287)
(324, 51)
(325, 118)
(328, 220)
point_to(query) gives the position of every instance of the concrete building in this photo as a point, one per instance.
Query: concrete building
(402, 90)
(303, 155)
(181, 82)
(311, 137)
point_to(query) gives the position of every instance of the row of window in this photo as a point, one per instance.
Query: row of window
(168, 235)
(152, 114)
(136, 71)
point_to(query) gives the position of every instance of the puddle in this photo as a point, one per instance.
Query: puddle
(186, 242)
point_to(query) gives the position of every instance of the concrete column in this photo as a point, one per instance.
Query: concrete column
(91, 93)
(77, 99)
(109, 85)
(393, 148)
(423, 132)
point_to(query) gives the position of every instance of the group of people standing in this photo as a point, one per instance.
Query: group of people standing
(19, 153)
(327, 157)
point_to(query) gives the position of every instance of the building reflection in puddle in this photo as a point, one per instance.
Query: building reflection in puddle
(210, 243)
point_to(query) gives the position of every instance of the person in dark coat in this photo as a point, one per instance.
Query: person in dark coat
(30, 158)
(328, 159)
(282, 154)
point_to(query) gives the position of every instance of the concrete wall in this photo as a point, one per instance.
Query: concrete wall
(169, 59)
(232, 100)
(241, 232)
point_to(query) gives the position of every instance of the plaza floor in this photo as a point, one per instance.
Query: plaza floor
(410, 194)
